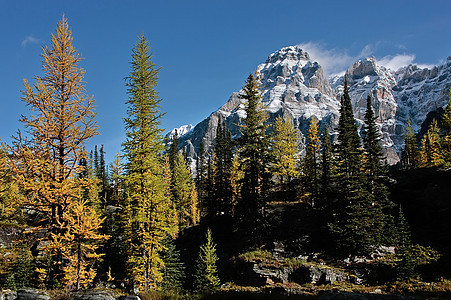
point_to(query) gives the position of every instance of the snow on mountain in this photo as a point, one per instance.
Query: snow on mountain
(181, 131)
(293, 85)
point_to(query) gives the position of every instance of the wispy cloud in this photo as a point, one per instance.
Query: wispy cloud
(336, 61)
(333, 61)
(395, 62)
(29, 40)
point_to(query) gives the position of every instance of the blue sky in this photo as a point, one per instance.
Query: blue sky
(206, 48)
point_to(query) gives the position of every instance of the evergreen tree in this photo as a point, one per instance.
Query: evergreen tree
(358, 220)
(326, 169)
(311, 166)
(406, 263)
(206, 277)
(410, 148)
(222, 165)
(285, 150)
(254, 159)
(201, 174)
(376, 174)
(173, 149)
(374, 163)
(149, 211)
(48, 163)
(173, 270)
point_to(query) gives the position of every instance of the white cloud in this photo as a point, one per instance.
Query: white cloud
(334, 61)
(30, 40)
(395, 62)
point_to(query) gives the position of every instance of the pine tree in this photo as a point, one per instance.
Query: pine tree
(173, 149)
(285, 149)
(206, 278)
(254, 159)
(311, 166)
(49, 161)
(149, 211)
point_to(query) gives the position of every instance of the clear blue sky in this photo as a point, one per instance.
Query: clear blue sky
(206, 48)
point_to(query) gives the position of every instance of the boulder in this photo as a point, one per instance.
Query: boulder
(32, 294)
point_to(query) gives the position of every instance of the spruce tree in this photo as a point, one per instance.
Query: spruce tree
(173, 270)
(149, 211)
(358, 221)
(206, 277)
(326, 169)
(222, 166)
(254, 155)
(406, 261)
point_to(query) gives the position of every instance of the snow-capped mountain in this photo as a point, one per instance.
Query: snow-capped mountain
(293, 85)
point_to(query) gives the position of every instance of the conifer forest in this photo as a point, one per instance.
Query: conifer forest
(253, 216)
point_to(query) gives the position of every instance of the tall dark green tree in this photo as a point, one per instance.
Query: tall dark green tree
(358, 223)
(255, 157)
(173, 270)
(327, 169)
(223, 156)
(374, 162)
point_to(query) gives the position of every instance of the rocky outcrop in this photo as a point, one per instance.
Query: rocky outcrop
(318, 274)
(92, 295)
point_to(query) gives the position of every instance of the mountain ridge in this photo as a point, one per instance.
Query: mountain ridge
(294, 86)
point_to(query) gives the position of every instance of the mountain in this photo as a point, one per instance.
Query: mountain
(293, 85)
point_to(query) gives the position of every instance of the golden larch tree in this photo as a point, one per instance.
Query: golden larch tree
(47, 158)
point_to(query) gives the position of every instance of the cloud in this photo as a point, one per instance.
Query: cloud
(333, 61)
(30, 40)
(336, 61)
(395, 62)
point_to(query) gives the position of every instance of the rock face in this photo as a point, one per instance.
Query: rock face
(293, 85)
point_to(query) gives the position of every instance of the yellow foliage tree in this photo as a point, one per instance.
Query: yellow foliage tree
(431, 150)
(47, 160)
(285, 150)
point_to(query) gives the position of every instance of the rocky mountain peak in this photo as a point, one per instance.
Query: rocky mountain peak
(293, 53)
(294, 86)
